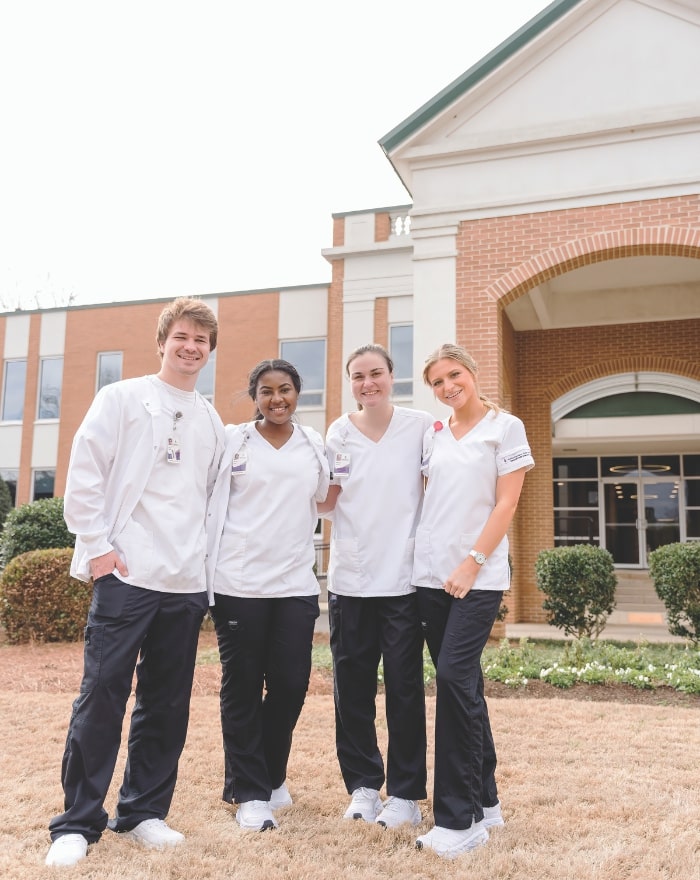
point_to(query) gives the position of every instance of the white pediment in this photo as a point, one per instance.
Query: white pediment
(604, 75)
(613, 64)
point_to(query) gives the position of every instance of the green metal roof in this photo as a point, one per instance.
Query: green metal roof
(476, 73)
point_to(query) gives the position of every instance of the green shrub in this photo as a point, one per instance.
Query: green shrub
(579, 583)
(40, 601)
(675, 572)
(36, 526)
(5, 502)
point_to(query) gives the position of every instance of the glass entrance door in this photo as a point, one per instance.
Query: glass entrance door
(661, 521)
(622, 520)
(640, 515)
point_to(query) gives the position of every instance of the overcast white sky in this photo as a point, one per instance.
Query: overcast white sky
(157, 149)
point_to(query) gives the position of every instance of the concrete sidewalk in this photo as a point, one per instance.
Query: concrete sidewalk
(618, 632)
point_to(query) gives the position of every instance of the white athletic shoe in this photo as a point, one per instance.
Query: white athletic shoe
(155, 834)
(255, 816)
(398, 811)
(280, 798)
(67, 850)
(449, 844)
(493, 816)
(365, 804)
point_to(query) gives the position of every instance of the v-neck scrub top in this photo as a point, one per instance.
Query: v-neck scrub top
(266, 548)
(377, 511)
(461, 494)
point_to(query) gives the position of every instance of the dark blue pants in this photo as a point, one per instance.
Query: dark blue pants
(123, 623)
(363, 631)
(456, 632)
(263, 643)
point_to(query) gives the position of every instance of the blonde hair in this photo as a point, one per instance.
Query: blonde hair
(190, 309)
(461, 356)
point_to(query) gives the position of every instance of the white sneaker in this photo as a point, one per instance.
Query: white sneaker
(280, 798)
(255, 816)
(67, 850)
(397, 811)
(365, 804)
(493, 816)
(155, 834)
(449, 844)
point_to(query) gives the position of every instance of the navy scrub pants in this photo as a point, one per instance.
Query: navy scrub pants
(364, 631)
(456, 632)
(124, 622)
(263, 643)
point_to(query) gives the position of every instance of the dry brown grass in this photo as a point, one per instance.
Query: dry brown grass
(590, 790)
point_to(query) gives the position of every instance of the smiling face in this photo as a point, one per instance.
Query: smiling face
(370, 379)
(276, 397)
(452, 383)
(184, 352)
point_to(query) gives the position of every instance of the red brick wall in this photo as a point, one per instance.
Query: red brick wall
(382, 227)
(381, 321)
(250, 334)
(501, 259)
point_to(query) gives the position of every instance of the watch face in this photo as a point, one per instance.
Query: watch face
(479, 557)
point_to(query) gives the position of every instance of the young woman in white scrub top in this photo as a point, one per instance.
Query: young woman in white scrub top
(475, 463)
(265, 590)
(374, 455)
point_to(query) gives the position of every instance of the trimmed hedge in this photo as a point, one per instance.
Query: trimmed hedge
(5, 502)
(579, 583)
(675, 572)
(40, 601)
(38, 525)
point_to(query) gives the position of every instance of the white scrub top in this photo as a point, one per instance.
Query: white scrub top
(460, 495)
(267, 547)
(377, 511)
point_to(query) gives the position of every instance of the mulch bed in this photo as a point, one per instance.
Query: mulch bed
(57, 668)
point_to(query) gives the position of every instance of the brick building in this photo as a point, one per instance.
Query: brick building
(553, 229)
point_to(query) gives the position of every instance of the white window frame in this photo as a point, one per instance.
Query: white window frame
(103, 355)
(41, 394)
(6, 370)
(306, 391)
(403, 385)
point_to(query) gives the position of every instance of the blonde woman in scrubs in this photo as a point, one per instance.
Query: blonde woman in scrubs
(265, 590)
(374, 454)
(475, 463)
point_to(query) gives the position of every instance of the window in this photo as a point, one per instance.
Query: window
(42, 484)
(13, 391)
(576, 502)
(109, 368)
(309, 357)
(401, 351)
(51, 378)
(10, 476)
(205, 379)
(691, 469)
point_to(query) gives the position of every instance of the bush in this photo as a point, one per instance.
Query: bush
(675, 571)
(40, 601)
(36, 526)
(579, 583)
(5, 502)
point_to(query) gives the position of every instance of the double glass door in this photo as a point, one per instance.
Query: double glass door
(641, 514)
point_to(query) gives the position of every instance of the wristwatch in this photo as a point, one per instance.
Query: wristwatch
(479, 558)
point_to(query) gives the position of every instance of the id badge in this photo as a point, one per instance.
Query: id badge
(341, 467)
(240, 463)
(172, 454)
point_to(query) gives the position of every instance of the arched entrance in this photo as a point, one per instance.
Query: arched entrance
(634, 483)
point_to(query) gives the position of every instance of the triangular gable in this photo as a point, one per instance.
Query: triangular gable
(579, 68)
